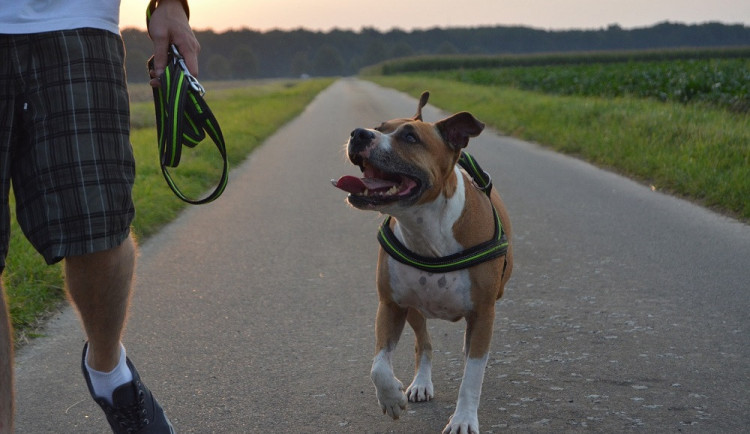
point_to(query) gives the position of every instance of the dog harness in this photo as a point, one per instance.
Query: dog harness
(183, 119)
(493, 248)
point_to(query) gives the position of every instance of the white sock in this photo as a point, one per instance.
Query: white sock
(105, 383)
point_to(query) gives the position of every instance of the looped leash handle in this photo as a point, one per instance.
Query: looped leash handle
(184, 118)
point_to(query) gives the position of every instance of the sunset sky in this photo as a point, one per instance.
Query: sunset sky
(324, 15)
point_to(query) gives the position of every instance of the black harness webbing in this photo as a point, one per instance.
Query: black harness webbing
(493, 248)
(184, 118)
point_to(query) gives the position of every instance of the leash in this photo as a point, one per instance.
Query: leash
(493, 248)
(183, 119)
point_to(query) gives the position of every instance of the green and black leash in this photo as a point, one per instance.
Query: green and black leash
(493, 248)
(183, 119)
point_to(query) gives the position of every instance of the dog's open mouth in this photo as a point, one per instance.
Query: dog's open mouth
(377, 186)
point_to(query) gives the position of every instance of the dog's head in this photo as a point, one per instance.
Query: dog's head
(406, 161)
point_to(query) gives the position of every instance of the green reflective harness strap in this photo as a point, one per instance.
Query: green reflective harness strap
(184, 119)
(493, 248)
(482, 179)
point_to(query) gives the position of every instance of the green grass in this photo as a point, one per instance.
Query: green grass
(32, 288)
(248, 114)
(694, 151)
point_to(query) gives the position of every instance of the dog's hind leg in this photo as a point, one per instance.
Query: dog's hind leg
(389, 324)
(420, 388)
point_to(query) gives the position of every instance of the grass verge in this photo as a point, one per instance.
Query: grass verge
(694, 151)
(248, 113)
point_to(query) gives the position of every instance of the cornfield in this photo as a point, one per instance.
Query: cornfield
(719, 82)
(719, 77)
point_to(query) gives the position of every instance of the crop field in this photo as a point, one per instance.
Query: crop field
(719, 77)
(722, 83)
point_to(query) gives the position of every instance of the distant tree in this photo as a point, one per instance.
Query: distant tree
(218, 68)
(376, 52)
(243, 62)
(355, 63)
(277, 53)
(401, 49)
(138, 48)
(328, 61)
(135, 65)
(300, 64)
(447, 48)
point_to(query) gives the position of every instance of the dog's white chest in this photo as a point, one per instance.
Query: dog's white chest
(436, 295)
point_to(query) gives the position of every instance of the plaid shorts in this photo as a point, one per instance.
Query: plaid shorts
(64, 141)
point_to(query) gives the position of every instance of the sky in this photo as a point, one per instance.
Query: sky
(384, 15)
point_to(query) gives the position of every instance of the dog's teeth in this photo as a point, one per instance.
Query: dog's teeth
(390, 192)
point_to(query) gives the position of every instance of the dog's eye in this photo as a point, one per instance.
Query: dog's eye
(411, 138)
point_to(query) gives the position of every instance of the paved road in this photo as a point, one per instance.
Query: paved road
(627, 311)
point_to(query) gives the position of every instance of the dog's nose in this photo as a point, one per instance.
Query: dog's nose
(361, 134)
(361, 139)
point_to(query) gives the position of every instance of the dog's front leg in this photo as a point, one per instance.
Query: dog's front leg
(476, 349)
(421, 388)
(388, 327)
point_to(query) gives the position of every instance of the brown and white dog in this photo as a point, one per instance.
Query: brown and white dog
(410, 173)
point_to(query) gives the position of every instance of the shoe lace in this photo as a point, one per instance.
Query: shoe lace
(133, 417)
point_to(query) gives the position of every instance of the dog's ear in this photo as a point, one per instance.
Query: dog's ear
(457, 129)
(422, 102)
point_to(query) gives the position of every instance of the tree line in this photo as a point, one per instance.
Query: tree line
(243, 54)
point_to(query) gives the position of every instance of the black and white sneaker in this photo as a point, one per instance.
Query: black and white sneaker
(135, 409)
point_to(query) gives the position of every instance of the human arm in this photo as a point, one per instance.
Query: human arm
(168, 24)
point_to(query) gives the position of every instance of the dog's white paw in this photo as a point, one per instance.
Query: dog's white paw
(462, 423)
(420, 390)
(391, 398)
(389, 390)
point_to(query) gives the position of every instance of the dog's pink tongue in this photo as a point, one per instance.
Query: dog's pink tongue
(350, 184)
(355, 185)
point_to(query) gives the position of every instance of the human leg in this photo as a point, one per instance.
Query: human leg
(8, 77)
(73, 172)
(99, 286)
(81, 208)
(6, 368)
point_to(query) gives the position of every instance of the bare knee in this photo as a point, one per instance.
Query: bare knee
(117, 259)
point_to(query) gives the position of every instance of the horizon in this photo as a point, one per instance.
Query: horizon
(329, 15)
(384, 31)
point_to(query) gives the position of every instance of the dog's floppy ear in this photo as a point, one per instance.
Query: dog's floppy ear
(422, 102)
(457, 129)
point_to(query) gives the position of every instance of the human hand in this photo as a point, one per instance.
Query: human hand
(169, 25)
